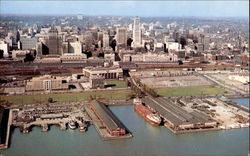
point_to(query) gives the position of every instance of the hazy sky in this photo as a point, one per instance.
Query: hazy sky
(129, 8)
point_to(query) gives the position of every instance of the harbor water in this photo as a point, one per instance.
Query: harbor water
(148, 140)
(243, 102)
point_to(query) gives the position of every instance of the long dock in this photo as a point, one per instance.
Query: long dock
(106, 124)
(7, 136)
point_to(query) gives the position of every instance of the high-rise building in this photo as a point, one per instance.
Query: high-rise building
(54, 42)
(5, 48)
(105, 40)
(137, 41)
(88, 40)
(28, 43)
(75, 48)
(121, 37)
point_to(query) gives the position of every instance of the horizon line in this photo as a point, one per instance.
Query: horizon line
(55, 14)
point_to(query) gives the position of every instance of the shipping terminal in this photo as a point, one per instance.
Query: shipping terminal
(180, 115)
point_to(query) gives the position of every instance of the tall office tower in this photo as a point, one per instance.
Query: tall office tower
(137, 41)
(100, 36)
(121, 37)
(105, 40)
(88, 40)
(205, 41)
(28, 43)
(54, 42)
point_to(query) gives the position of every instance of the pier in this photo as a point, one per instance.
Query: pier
(177, 119)
(5, 128)
(52, 114)
(106, 123)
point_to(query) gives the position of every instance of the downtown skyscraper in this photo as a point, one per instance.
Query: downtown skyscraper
(137, 41)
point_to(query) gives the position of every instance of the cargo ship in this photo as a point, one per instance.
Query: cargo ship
(147, 114)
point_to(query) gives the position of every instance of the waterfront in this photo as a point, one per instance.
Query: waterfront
(243, 102)
(147, 140)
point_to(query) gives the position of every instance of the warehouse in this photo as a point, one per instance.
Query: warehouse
(177, 118)
(108, 119)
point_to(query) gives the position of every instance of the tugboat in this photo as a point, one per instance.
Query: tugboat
(72, 125)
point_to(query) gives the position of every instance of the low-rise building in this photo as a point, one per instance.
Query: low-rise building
(72, 58)
(20, 54)
(105, 72)
(46, 83)
(96, 82)
(150, 57)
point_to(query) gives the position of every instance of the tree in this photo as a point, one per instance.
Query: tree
(50, 100)
(150, 91)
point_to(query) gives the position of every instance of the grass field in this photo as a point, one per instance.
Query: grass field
(116, 83)
(66, 97)
(189, 91)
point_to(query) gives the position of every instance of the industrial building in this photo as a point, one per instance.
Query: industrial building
(108, 119)
(177, 118)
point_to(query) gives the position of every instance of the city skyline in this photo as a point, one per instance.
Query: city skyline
(130, 8)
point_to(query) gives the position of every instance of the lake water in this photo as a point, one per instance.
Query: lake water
(147, 140)
(243, 102)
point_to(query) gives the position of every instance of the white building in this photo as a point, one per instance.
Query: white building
(158, 47)
(109, 56)
(150, 57)
(105, 40)
(75, 48)
(19, 54)
(173, 46)
(5, 47)
(137, 40)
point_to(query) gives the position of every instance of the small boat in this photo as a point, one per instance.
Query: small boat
(72, 125)
(83, 128)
